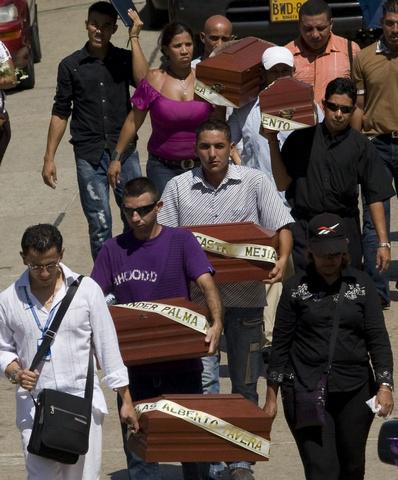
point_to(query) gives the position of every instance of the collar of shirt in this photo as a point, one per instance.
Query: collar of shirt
(23, 282)
(233, 175)
(299, 47)
(84, 54)
(383, 48)
(335, 138)
(348, 273)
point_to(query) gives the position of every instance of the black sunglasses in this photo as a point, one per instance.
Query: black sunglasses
(142, 211)
(335, 106)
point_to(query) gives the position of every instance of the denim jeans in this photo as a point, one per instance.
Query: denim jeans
(211, 374)
(388, 151)
(147, 386)
(160, 174)
(94, 194)
(244, 334)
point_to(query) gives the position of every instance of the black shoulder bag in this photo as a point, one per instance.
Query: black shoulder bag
(61, 425)
(310, 404)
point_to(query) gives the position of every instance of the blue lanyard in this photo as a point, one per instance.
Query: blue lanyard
(36, 318)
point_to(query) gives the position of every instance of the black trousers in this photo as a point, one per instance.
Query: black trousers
(300, 238)
(337, 450)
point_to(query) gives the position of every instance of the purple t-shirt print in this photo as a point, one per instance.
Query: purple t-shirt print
(162, 267)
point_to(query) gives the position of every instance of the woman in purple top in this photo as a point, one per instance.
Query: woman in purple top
(167, 93)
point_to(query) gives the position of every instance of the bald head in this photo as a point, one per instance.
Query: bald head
(217, 30)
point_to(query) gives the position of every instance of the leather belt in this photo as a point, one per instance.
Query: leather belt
(186, 164)
(386, 136)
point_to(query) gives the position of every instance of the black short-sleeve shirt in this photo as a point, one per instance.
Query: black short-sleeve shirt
(326, 171)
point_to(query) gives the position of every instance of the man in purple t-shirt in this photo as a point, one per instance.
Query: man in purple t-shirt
(151, 262)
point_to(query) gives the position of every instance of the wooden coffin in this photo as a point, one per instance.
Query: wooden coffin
(164, 438)
(291, 99)
(233, 270)
(236, 72)
(147, 337)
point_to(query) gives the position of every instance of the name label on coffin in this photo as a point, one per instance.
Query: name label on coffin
(212, 424)
(280, 124)
(211, 95)
(184, 316)
(260, 253)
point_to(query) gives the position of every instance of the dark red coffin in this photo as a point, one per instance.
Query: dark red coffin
(235, 269)
(147, 337)
(291, 99)
(164, 438)
(236, 72)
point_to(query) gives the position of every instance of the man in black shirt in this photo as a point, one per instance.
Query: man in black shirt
(320, 168)
(93, 87)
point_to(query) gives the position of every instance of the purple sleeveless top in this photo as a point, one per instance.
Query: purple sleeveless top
(173, 122)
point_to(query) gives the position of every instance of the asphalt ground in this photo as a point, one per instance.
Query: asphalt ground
(25, 200)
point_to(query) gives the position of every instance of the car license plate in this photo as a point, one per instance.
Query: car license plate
(285, 10)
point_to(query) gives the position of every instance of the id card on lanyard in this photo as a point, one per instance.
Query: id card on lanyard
(44, 329)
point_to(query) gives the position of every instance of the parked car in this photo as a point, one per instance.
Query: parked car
(273, 20)
(19, 30)
(157, 12)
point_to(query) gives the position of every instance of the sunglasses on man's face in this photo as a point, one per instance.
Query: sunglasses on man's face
(334, 107)
(141, 211)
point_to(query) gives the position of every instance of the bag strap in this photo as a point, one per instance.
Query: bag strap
(88, 392)
(335, 327)
(53, 328)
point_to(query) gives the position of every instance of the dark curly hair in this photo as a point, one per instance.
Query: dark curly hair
(41, 237)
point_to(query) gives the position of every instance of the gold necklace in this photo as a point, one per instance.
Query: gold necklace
(184, 86)
(182, 81)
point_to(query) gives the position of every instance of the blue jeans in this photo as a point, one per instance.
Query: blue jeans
(147, 386)
(387, 149)
(94, 194)
(244, 334)
(160, 174)
(211, 374)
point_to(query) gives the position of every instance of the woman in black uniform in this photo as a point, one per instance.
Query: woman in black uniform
(356, 366)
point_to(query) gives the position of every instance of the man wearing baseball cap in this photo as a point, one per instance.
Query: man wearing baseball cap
(245, 122)
(245, 126)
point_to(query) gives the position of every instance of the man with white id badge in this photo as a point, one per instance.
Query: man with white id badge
(40, 304)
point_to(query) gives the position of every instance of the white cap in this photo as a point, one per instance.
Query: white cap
(274, 55)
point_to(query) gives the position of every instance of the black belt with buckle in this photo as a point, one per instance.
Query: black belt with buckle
(392, 136)
(186, 164)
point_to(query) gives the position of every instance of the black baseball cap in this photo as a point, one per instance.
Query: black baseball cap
(327, 235)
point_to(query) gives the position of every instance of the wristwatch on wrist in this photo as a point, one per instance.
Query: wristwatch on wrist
(115, 155)
(384, 244)
(13, 376)
(388, 385)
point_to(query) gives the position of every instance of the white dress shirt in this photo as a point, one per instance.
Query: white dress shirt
(87, 319)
